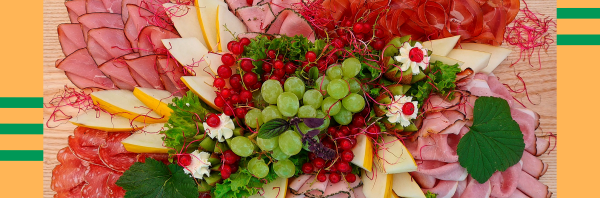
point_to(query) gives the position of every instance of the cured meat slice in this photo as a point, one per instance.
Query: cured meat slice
(532, 187)
(290, 23)
(114, 155)
(138, 19)
(90, 137)
(171, 74)
(337, 190)
(150, 40)
(475, 189)
(442, 170)
(105, 44)
(443, 189)
(96, 178)
(75, 8)
(434, 147)
(122, 84)
(70, 37)
(147, 68)
(155, 6)
(296, 183)
(542, 144)
(140, 80)
(424, 181)
(117, 69)
(533, 166)
(358, 193)
(504, 183)
(83, 83)
(527, 123)
(157, 156)
(114, 190)
(235, 4)
(68, 175)
(462, 185)
(84, 144)
(254, 16)
(92, 6)
(81, 64)
(73, 193)
(518, 194)
(100, 20)
(315, 189)
(499, 89)
(279, 5)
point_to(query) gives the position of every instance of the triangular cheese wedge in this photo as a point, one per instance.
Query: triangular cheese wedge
(207, 16)
(405, 186)
(376, 184)
(103, 121)
(185, 19)
(156, 99)
(274, 189)
(441, 47)
(147, 140)
(189, 52)
(363, 153)
(444, 60)
(498, 54)
(124, 103)
(201, 86)
(396, 158)
(475, 60)
(228, 27)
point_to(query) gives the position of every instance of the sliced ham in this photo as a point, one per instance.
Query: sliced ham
(70, 37)
(105, 44)
(114, 155)
(424, 181)
(279, 5)
(100, 20)
(478, 87)
(433, 147)
(75, 9)
(84, 83)
(154, 6)
(171, 74)
(462, 185)
(358, 193)
(81, 64)
(291, 23)
(542, 145)
(140, 80)
(118, 70)
(527, 123)
(518, 194)
(235, 4)
(150, 40)
(533, 166)
(254, 16)
(296, 183)
(92, 6)
(337, 190)
(147, 68)
(532, 187)
(476, 190)
(138, 19)
(443, 189)
(499, 89)
(315, 188)
(504, 183)
(442, 170)
(69, 173)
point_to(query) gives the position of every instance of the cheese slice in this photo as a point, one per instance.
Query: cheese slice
(396, 158)
(228, 27)
(124, 103)
(475, 60)
(376, 184)
(275, 189)
(189, 52)
(443, 46)
(498, 54)
(405, 186)
(202, 86)
(103, 121)
(207, 13)
(363, 153)
(185, 19)
(445, 60)
(156, 99)
(147, 140)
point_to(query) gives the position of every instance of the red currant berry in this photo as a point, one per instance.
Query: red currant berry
(219, 83)
(360, 37)
(226, 93)
(274, 78)
(322, 177)
(307, 168)
(355, 131)
(331, 130)
(378, 44)
(358, 121)
(338, 43)
(350, 178)
(245, 95)
(234, 168)
(228, 111)
(229, 157)
(185, 160)
(416, 55)
(347, 156)
(235, 99)
(334, 178)
(237, 49)
(332, 167)
(278, 64)
(329, 145)
(345, 144)
(272, 54)
(319, 163)
(312, 156)
(219, 102)
(373, 131)
(204, 195)
(322, 64)
(224, 71)
(230, 44)
(379, 33)
(225, 171)
(280, 57)
(236, 81)
(228, 59)
(344, 167)
(290, 68)
(367, 28)
(408, 108)
(245, 41)
(267, 67)
(246, 65)
(250, 78)
(348, 23)
(257, 85)
(213, 120)
(365, 112)
(240, 112)
(358, 28)
(279, 73)
(311, 56)
(345, 130)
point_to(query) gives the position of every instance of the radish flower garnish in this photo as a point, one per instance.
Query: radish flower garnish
(402, 110)
(413, 57)
(199, 166)
(222, 131)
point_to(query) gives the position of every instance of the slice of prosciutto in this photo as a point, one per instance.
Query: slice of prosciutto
(105, 44)
(171, 73)
(100, 20)
(146, 67)
(150, 40)
(114, 155)
(118, 70)
(75, 8)
(71, 37)
(85, 71)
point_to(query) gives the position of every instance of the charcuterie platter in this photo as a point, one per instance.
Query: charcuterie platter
(212, 98)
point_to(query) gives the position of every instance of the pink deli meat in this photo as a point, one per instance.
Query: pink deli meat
(171, 73)
(80, 63)
(70, 37)
(150, 40)
(146, 67)
(117, 69)
(114, 155)
(105, 44)
(75, 9)
(69, 173)
(100, 20)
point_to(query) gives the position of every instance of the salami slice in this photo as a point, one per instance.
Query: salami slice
(114, 155)
(90, 137)
(73, 193)
(87, 153)
(163, 157)
(69, 173)
(96, 178)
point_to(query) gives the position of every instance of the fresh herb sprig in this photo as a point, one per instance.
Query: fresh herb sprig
(441, 80)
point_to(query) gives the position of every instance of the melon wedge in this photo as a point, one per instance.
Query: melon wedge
(202, 86)
(475, 60)
(377, 184)
(189, 52)
(185, 20)
(363, 153)
(498, 54)
(441, 47)
(445, 60)
(103, 121)
(207, 13)
(275, 189)
(396, 158)
(228, 27)
(156, 99)
(147, 140)
(213, 61)
(405, 186)
(124, 103)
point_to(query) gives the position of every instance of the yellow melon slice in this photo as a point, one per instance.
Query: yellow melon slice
(202, 86)
(395, 156)
(363, 153)
(157, 100)
(185, 20)
(405, 186)
(147, 140)
(124, 103)
(103, 121)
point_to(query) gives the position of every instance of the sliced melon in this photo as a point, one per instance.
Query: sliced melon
(441, 47)
(228, 27)
(445, 60)
(185, 20)
(275, 189)
(189, 52)
(377, 184)
(207, 13)
(405, 186)
(475, 60)
(124, 103)
(103, 121)
(498, 54)
(157, 100)
(201, 86)
(363, 153)
(214, 61)
(147, 140)
(396, 158)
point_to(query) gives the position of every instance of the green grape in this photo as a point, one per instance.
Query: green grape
(327, 106)
(344, 117)
(321, 85)
(288, 104)
(353, 103)
(307, 111)
(313, 98)
(242, 146)
(334, 72)
(294, 85)
(351, 67)
(278, 154)
(258, 167)
(254, 118)
(284, 168)
(270, 112)
(338, 88)
(290, 142)
(354, 85)
(267, 144)
(270, 91)
(326, 121)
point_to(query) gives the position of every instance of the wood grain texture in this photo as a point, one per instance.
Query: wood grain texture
(541, 86)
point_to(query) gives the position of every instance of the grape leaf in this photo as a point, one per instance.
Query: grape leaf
(273, 128)
(155, 179)
(494, 142)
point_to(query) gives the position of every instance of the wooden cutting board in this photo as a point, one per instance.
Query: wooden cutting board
(541, 86)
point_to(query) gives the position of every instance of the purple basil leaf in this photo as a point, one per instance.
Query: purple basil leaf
(313, 122)
(312, 133)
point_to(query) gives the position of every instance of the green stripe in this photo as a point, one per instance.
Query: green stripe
(578, 39)
(578, 13)
(22, 102)
(21, 129)
(21, 155)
